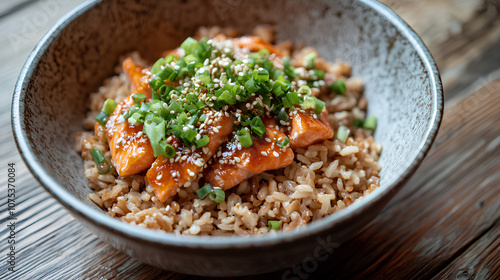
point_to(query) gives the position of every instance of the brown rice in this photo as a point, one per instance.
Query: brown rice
(323, 178)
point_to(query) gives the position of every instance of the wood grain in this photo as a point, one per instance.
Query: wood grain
(445, 223)
(462, 36)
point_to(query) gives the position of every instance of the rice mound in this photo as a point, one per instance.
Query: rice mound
(323, 178)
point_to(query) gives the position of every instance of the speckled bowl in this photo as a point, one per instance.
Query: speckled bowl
(403, 88)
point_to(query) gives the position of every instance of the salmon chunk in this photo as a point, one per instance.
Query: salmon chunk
(130, 148)
(167, 175)
(307, 130)
(236, 165)
(255, 44)
(137, 75)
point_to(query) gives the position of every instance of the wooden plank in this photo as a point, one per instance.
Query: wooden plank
(480, 261)
(463, 37)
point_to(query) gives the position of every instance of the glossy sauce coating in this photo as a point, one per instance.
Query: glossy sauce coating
(236, 165)
(307, 130)
(255, 44)
(167, 175)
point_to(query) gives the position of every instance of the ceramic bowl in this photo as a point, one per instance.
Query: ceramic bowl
(402, 85)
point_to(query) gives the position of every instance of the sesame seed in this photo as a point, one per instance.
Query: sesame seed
(264, 153)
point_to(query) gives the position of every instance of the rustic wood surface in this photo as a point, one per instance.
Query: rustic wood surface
(445, 223)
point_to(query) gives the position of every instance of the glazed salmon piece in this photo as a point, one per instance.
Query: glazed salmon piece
(137, 76)
(255, 44)
(167, 175)
(235, 165)
(130, 148)
(307, 130)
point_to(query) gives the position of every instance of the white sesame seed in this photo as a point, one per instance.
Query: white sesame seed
(264, 153)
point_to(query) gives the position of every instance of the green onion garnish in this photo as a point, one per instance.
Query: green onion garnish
(156, 133)
(338, 87)
(138, 97)
(109, 106)
(217, 195)
(102, 165)
(306, 88)
(204, 191)
(167, 150)
(257, 126)
(370, 123)
(319, 105)
(343, 133)
(101, 118)
(244, 138)
(274, 225)
(283, 143)
(157, 66)
(107, 109)
(282, 116)
(358, 123)
(202, 141)
(309, 60)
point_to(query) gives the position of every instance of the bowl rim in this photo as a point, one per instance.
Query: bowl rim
(156, 237)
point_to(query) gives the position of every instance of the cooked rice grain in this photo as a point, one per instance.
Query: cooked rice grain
(323, 178)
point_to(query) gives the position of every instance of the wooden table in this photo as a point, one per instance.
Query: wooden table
(445, 223)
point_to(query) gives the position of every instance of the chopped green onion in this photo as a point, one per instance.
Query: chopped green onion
(319, 74)
(202, 141)
(370, 123)
(170, 58)
(308, 103)
(282, 116)
(188, 136)
(190, 46)
(244, 138)
(138, 97)
(294, 98)
(155, 133)
(258, 126)
(251, 86)
(306, 88)
(217, 195)
(343, 133)
(283, 143)
(227, 97)
(167, 150)
(309, 60)
(101, 118)
(109, 106)
(319, 106)
(157, 66)
(358, 123)
(262, 75)
(136, 118)
(107, 109)
(338, 87)
(102, 165)
(204, 191)
(204, 76)
(288, 69)
(274, 225)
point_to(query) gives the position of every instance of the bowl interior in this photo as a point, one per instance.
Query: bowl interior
(82, 50)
